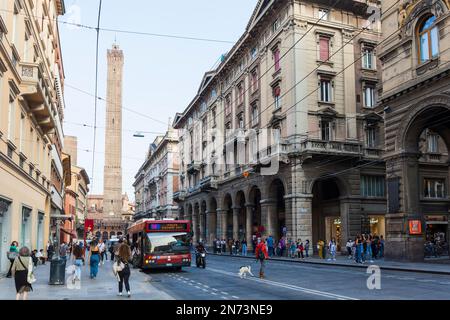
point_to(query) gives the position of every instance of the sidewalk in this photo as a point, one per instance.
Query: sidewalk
(105, 287)
(438, 266)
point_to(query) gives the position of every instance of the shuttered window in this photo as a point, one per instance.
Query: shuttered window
(324, 47)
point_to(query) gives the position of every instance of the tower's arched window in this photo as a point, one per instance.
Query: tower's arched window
(428, 39)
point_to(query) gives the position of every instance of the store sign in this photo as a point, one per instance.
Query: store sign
(337, 221)
(435, 218)
(415, 227)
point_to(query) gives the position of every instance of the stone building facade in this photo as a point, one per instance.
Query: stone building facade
(308, 73)
(32, 165)
(158, 179)
(105, 224)
(416, 100)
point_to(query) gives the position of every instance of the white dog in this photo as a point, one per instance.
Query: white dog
(244, 270)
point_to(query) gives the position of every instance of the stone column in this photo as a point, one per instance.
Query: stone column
(211, 222)
(302, 218)
(268, 210)
(202, 227)
(221, 223)
(400, 245)
(248, 225)
(236, 211)
(194, 227)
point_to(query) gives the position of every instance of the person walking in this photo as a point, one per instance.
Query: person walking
(332, 246)
(122, 268)
(381, 247)
(349, 246)
(78, 262)
(293, 249)
(359, 249)
(22, 267)
(102, 248)
(307, 248)
(244, 247)
(94, 259)
(270, 245)
(13, 253)
(320, 247)
(300, 248)
(261, 255)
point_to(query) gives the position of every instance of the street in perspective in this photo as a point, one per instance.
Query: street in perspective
(246, 151)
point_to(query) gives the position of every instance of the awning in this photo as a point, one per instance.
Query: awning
(72, 233)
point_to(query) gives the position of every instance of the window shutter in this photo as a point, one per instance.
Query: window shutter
(324, 49)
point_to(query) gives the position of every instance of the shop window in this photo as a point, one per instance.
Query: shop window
(434, 188)
(428, 39)
(372, 186)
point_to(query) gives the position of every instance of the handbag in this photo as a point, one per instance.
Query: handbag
(30, 276)
(12, 255)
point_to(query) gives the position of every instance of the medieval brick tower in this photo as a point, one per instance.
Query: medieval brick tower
(112, 184)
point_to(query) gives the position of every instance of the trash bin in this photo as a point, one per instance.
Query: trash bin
(58, 271)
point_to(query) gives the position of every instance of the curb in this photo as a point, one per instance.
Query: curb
(390, 268)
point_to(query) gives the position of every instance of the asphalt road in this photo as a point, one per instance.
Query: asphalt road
(293, 281)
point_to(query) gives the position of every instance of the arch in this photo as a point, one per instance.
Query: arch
(276, 193)
(105, 235)
(428, 113)
(240, 205)
(343, 185)
(326, 210)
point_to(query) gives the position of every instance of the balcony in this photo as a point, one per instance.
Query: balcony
(311, 146)
(277, 150)
(193, 167)
(209, 183)
(373, 153)
(36, 94)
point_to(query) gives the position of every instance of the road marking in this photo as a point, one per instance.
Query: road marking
(214, 289)
(289, 286)
(406, 278)
(235, 297)
(222, 292)
(206, 290)
(426, 280)
(206, 286)
(214, 293)
(224, 297)
(197, 287)
(446, 283)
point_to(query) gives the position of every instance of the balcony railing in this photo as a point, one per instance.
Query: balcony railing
(331, 147)
(373, 153)
(37, 94)
(179, 195)
(193, 167)
(209, 182)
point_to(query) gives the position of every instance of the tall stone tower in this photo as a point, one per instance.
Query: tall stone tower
(112, 184)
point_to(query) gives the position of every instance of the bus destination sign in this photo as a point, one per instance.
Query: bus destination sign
(167, 227)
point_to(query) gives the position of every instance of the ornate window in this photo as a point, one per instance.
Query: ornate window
(428, 39)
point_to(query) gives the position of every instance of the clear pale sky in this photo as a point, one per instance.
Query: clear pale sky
(161, 75)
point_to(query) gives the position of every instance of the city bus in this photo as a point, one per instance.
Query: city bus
(160, 243)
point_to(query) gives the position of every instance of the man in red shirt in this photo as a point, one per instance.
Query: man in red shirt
(261, 255)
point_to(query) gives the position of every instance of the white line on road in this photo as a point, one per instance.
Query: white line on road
(224, 297)
(214, 293)
(197, 287)
(224, 293)
(288, 286)
(426, 280)
(235, 297)
(214, 289)
(446, 283)
(206, 290)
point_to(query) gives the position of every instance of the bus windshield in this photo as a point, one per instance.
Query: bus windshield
(167, 243)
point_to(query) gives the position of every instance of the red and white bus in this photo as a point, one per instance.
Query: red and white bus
(160, 243)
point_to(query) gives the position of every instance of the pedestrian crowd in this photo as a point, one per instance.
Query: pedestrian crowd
(23, 263)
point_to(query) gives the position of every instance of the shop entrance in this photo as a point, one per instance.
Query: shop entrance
(436, 236)
(333, 230)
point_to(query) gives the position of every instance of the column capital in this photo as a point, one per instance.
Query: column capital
(250, 205)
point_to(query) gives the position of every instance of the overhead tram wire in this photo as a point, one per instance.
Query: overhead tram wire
(141, 33)
(90, 126)
(96, 84)
(114, 103)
